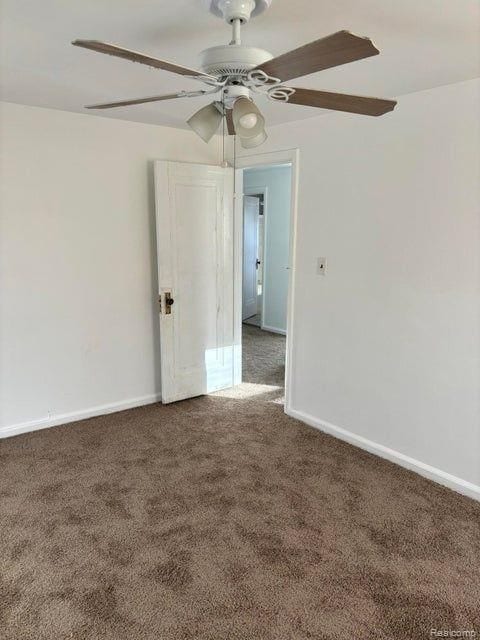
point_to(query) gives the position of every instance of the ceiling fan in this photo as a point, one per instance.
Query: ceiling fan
(235, 71)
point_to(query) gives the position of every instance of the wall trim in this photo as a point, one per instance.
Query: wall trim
(75, 416)
(427, 471)
(265, 327)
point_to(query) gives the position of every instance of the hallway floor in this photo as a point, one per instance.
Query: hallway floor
(263, 357)
(220, 518)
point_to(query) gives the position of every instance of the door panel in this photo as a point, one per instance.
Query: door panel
(251, 211)
(195, 263)
(260, 270)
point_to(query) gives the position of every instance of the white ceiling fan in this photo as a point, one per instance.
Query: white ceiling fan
(235, 71)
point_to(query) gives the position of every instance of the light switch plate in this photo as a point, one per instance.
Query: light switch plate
(321, 266)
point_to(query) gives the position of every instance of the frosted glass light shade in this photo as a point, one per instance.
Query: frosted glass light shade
(205, 121)
(248, 121)
(244, 110)
(249, 143)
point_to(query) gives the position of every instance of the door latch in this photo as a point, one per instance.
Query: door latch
(168, 302)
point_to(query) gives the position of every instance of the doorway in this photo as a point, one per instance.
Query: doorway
(267, 223)
(200, 266)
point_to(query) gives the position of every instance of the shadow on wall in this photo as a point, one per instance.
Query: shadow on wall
(152, 230)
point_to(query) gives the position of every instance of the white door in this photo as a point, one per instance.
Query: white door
(251, 211)
(194, 216)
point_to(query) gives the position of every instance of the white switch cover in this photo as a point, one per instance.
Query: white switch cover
(321, 266)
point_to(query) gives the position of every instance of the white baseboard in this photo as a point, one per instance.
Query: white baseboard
(75, 416)
(265, 327)
(432, 473)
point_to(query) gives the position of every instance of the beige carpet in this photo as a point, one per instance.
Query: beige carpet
(220, 518)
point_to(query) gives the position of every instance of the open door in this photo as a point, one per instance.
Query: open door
(251, 211)
(194, 216)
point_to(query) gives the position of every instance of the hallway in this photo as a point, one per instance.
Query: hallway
(220, 517)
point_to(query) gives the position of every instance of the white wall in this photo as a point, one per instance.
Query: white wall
(78, 323)
(277, 180)
(387, 344)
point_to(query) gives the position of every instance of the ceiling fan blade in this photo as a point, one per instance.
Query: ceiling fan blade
(167, 96)
(134, 56)
(336, 49)
(229, 119)
(342, 102)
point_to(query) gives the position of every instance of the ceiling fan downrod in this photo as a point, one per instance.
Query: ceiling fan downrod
(236, 36)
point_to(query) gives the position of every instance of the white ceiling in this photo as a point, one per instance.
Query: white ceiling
(423, 44)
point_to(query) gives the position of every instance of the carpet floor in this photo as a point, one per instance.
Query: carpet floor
(221, 518)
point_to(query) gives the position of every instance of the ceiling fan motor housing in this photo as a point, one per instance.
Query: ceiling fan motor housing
(232, 59)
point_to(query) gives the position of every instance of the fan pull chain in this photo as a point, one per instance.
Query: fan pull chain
(234, 165)
(224, 162)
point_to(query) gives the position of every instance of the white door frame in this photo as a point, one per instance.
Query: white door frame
(287, 156)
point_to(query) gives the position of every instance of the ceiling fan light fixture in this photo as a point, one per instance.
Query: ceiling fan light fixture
(249, 143)
(247, 119)
(206, 121)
